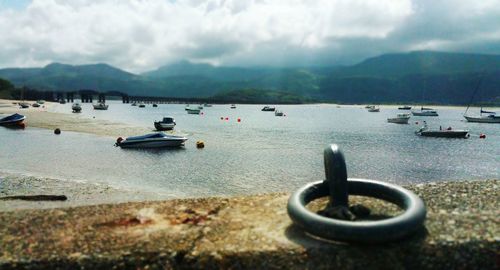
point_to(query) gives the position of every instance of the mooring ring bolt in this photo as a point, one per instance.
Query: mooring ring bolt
(338, 187)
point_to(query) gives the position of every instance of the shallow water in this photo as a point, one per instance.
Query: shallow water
(262, 153)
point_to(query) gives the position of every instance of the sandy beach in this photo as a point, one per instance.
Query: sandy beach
(42, 118)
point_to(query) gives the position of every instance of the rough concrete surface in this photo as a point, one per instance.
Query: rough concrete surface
(254, 232)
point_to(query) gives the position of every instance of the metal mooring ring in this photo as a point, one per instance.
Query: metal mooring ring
(386, 230)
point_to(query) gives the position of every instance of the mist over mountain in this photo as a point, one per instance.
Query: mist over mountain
(415, 77)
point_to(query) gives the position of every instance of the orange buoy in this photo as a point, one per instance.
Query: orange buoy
(482, 136)
(227, 118)
(22, 125)
(239, 119)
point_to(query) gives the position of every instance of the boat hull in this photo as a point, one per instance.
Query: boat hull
(152, 144)
(12, 120)
(162, 126)
(398, 120)
(482, 119)
(191, 111)
(101, 107)
(445, 133)
(424, 113)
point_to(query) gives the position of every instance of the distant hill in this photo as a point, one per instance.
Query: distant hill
(415, 77)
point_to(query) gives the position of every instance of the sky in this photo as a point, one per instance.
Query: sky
(142, 35)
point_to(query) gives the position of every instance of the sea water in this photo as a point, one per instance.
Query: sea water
(261, 153)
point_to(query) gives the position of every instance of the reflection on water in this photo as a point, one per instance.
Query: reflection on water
(263, 153)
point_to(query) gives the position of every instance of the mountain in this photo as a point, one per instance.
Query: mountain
(415, 77)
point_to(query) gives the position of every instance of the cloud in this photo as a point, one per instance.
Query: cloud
(140, 35)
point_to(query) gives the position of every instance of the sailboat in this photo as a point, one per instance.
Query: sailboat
(489, 117)
(424, 111)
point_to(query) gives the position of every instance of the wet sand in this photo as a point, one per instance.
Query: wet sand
(42, 118)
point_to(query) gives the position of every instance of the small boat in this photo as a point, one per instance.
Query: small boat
(207, 105)
(14, 119)
(278, 113)
(193, 111)
(40, 101)
(155, 105)
(76, 107)
(425, 112)
(142, 105)
(153, 140)
(268, 109)
(24, 105)
(62, 101)
(233, 106)
(100, 106)
(187, 107)
(404, 107)
(401, 118)
(490, 117)
(373, 108)
(36, 105)
(442, 133)
(168, 123)
(368, 106)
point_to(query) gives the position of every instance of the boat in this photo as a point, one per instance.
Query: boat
(155, 105)
(153, 140)
(404, 107)
(62, 101)
(268, 109)
(207, 105)
(168, 123)
(278, 113)
(373, 108)
(24, 105)
(76, 107)
(193, 111)
(36, 105)
(401, 118)
(142, 105)
(368, 106)
(14, 119)
(200, 107)
(187, 107)
(425, 112)
(442, 133)
(100, 106)
(491, 117)
(40, 101)
(233, 106)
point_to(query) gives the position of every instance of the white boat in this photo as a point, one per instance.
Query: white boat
(490, 118)
(200, 107)
(373, 108)
(278, 113)
(153, 140)
(24, 105)
(187, 107)
(76, 107)
(401, 118)
(193, 111)
(40, 101)
(233, 106)
(100, 106)
(405, 107)
(168, 123)
(425, 112)
(142, 105)
(207, 105)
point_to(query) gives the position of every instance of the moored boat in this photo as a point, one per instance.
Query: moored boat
(153, 140)
(24, 105)
(13, 119)
(491, 118)
(406, 107)
(207, 105)
(233, 106)
(374, 108)
(401, 118)
(40, 101)
(155, 105)
(76, 107)
(268, 109)
(278, 113)
(142, 105)
(442, 133)
(167, 123)
(193, 111)
(425, 112)
(100, 106)
(36, 105)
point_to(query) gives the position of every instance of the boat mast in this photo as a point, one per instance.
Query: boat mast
(474, 93)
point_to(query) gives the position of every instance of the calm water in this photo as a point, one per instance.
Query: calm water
(263, 153)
